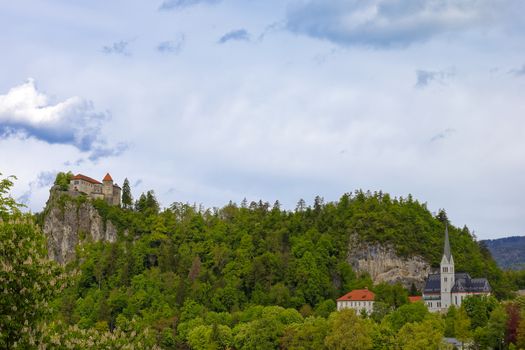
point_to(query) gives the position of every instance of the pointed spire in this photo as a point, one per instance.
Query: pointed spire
(446, 250)
(107, 178)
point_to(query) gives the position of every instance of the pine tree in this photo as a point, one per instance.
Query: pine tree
(127, 199)
(442, 216)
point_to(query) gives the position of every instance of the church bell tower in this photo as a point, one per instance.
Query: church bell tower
(447, 274)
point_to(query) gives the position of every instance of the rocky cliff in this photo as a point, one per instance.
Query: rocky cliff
(69, 221)
(383, 264)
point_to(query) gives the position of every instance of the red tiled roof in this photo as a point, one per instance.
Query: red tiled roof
(85, 178)
(107, 178)
(358, 295)
(415, 298)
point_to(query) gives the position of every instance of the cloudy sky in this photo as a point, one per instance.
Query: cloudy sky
(208, 101)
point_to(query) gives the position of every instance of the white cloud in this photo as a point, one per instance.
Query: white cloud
(180, 4)
(266, 121)
(27, 112)
(391, 23)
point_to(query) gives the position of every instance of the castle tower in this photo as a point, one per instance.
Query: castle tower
(107, 188)
(447, 273)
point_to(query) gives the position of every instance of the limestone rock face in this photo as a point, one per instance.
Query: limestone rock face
(67, 225)
(383, 264)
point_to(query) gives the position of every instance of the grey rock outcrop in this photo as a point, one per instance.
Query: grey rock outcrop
(69, 223)
(383, 264)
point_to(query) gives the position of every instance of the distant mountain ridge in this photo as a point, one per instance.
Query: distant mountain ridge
(509, 252)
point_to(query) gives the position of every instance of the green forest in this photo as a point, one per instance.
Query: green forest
(244, 276)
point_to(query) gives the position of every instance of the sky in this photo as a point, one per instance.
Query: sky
(207, 101)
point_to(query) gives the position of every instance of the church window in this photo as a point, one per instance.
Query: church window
(456, 297)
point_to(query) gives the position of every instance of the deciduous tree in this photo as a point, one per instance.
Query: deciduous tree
(348, 332)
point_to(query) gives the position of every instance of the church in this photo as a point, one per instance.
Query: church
(450, 288)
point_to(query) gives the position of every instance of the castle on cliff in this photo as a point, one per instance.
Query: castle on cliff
(450, 288)
(106, 189)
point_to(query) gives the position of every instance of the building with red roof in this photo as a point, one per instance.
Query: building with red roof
(415, 298)
(358, 299)
(106, 189)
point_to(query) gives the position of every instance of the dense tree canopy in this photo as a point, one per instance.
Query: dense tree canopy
(195, 275)
(248, 277)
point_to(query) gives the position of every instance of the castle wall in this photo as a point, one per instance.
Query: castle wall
(83, 186)
(97, 195)
(116, 195)
(106, 190)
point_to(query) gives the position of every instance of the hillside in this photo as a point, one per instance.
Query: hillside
(250, 252)
(222, 269)
(508, 252)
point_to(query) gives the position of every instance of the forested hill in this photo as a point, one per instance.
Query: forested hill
(508, 252)
(171, 265)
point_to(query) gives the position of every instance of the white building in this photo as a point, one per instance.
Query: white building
(358, 299)
(450, 288)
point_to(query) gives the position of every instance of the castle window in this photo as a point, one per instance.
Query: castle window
(445, 279)
(456, 297)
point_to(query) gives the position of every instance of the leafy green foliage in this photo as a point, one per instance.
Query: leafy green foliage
(308, 335)
(348, 331)
(8, 205)
(236, 276)
(479, 308)
(28, 282)
(427, 334)
(408, 313)
(392, 295)
(462, 325)
(62, 180)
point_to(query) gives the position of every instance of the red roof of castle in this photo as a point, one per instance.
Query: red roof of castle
(415, 298)
(358, 295)
(107, 178)
(86, 178)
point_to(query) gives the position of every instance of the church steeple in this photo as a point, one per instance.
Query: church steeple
(447, 274)
(446, 249)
